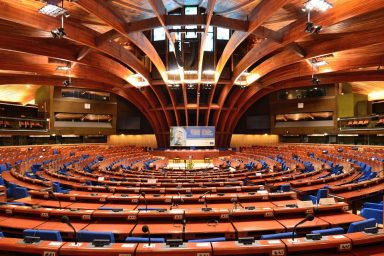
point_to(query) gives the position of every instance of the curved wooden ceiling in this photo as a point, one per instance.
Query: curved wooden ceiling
(106, 43)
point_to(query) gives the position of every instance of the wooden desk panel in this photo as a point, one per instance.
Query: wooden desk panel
(316, 223)
(193, 230)
(21, 223)
(361, 238)
(86, 249)
(123, 206)
(87, 206)
(16, 245)
(262, 247)
(188, 249)
(337, 219)
(336, 243)
(62, 227)
(118, 228)
(259, 226)
(175, 230)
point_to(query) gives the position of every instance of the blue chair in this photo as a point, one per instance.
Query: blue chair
(278, 236)
(361, 225)
(20, 192)
(321, 193)
(376, 214)
(329, 231)
(15, 203)
(57, 188)
(50, 235)
(207, 240)
(132, 239)
(285, 188)
(378, 206)
(89, 236)
(1, 234)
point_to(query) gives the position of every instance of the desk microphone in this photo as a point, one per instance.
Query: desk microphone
(181, 199)
(53, 196)
(145, 200)
(204, 195)
(309, 217)
(65, 219)
(145, 229)
(234, 227)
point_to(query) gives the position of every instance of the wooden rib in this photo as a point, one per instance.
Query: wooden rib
(107, 36)
(259, 14)
(75, 32)
(209, 13)
(160, 12)
(102, 11)
(198, 20)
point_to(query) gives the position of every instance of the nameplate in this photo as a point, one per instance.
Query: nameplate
(203, 244)
(327, 201)
(127, 245)
(304, 204)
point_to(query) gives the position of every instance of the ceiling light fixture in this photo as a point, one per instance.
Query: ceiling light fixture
(317, 5)
(52, 9)
(137, 80)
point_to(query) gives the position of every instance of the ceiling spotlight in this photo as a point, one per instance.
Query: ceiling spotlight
(317, 5)
(315, 80)
(67, 83)
(58, 33)
(51, 9)
(317, 29)
(312, 28)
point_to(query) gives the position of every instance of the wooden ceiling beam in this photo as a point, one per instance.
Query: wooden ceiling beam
(262, 12)
(75, 32)
(101, 10)
(209, 12)
(160, 12)
(188, 20)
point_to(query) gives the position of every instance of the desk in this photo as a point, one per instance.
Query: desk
(248, 228)
(87, 206)
(20, 223)
(262, 247)
(86, 249)
(334, 243)
(337, 219)
(118, 228)
(43, 202)
(316, 223)
(41, 248)
(361, 238)
(156, 229)
(3, 194)
(208, 230)
(188, 249)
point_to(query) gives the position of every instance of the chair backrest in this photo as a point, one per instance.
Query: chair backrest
(132, 239)
(277, 236)
(207, 240)
(373, 205)
(20, 192)
(373, 213)
(329, 231)
(361, 225)
(89, 236)
(322, 193)
(1, 234)
(285, 187)
(50, 235)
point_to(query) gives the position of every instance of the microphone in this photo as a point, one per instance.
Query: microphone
(52, 195)
(145, 201)
(234, 227)
(65, 219)
(203, 195)
(181, 199)
(309, 217)
(145, 229)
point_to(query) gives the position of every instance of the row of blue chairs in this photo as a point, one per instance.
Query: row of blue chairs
(373, 210)
(90, 236)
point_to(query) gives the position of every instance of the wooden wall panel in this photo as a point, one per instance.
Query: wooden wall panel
(143, 140)
(245, 140)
